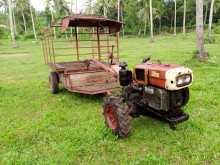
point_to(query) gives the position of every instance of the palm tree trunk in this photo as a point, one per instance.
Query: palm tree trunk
(171, 24)
(145, 25)
(71, 7)
(90, 7)
(200, 30)
(206, 13)
(151, 22)
(14, 21)
(184, 18)
(76, 6)
(24, 20)
(33, 23)
(14, 45)
(139, 31)
(104, 11)
(175, 18)
(118, 10)
(77, 30)
(160, 23)
(210, 19)
(122, 20)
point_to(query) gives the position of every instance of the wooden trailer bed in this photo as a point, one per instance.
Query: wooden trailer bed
(85, 57)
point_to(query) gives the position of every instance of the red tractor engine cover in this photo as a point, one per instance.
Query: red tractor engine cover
(168, 76)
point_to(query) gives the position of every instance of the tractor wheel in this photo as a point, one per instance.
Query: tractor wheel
(54, 82)
(117, 116)
(185, 95)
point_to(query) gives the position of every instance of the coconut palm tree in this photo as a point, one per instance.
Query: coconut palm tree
(175, 17)
(76, 3)
(13, 16)
(32, 20)
(184, 17)
(151, 21)
(21, 6)
(202, 55)
(119, 7)
(61, 8)
(104, 5)
(14, 45)
(24, 20)
(210, 19)
(143, 14)
(122, 16)
(206, 4)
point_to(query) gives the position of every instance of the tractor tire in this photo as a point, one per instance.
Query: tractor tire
(117, 116)
(54, 82)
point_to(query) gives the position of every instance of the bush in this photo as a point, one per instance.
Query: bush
(3, 33)
(28, 35)
(216, 29)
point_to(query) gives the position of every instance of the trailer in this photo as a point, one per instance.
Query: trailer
(82, 52)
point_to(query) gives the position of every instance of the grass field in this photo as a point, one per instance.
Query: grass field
(37, 127)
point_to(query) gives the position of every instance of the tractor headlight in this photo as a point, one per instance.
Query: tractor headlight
(183, 80)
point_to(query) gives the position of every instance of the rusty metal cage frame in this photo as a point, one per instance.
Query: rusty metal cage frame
(96, 34)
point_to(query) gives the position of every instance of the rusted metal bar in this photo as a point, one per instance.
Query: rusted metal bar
(89, 33)
(108, 47)
(85, 47)
(43, 48)
(108, 44)
(77, 43)
(98, 42)
(67, 41)
(83, 54)
(49, 52)
(46, 49)
(117, 44)
(53, 51)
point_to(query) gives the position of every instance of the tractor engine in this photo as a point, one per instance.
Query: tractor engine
(157, 90)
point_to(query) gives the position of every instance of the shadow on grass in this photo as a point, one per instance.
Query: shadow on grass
(83, 97)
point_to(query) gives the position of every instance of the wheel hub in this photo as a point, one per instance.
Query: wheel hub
(111, 119)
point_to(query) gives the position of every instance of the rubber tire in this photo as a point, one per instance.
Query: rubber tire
(121, 114)
(186, 95)
(54, 82)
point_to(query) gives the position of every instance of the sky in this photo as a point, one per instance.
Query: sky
(39, 4)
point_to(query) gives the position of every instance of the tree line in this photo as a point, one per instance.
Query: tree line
(140, 17)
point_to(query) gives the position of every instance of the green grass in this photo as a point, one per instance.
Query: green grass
(37, 127)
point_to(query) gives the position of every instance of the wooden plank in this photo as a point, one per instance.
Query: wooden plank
(91, 79)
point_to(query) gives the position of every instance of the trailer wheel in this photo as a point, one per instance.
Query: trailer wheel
(54, 82)
(117, 116)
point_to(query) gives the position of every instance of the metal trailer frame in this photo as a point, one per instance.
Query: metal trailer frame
(80, 67)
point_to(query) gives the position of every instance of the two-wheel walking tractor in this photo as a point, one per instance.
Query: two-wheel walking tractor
(83, 54)
(156, 90)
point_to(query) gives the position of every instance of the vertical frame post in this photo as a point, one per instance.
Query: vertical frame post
(117, 43)
(108, 45)
(108, 48)
(77, 43)
(49, 47)
(98, 40)
(52, 46)
(46, 48)
(43, 48)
